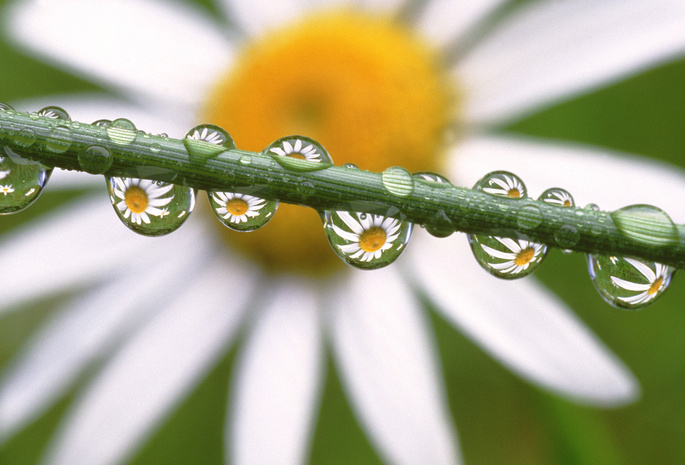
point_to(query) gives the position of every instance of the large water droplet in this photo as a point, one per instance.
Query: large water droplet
(557, 196)
(59, 139)
(398, 181)
(95, 159)
(21, 181)
(4, 106)
(54, 113)
(206, 141)
(628, 283)
(503, 184)
(364, 240)
(151, 208)
(242, 212)
(646, 224)
(567, 236)
(299, 153)
(529, 217)
(121, 131)
(505, 257)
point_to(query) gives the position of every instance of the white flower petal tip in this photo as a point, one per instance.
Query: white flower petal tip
(278, 382)
(383, 350)
(150, 48)
(522, 325)
(550, 51)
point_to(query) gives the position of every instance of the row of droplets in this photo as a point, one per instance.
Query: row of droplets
(363, 240)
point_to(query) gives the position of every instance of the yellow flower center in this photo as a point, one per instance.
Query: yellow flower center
(237, 207)
(136, 199)
(514, 192)
(364, 87)
(656, 285)
(524, 256)
(372, 239)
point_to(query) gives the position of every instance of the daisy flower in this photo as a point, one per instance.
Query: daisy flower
(656, 280)
(521, 254)
(6, 189)
(505, 185)
(376, 91)
(369, 235)
(237, 208)
(297, 149)
(138, 198)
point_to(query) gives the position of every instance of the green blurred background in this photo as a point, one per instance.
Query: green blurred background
(500, 419)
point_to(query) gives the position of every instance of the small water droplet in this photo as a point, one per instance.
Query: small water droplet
(54, 113)
(628, 283)
(206, 141)
(398, 181)
(529, 217)
(351, 166)
(306, 188)
(366, 241)
(505, 257)
(95, 159)
(592, 207)
(59, 140)
(150, 208)
(567, 236)
(25, 138)
(557, 196)
(298, 153)
(242, 212)
(102, 123)
(502, 184)
(646, 224)
(245, 160)
(155, 148)
(433, 178)
(21, 181)
(34, 115)
(121, 131)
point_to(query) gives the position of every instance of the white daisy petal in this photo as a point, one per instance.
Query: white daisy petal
(257, 16)
(592, 175)
(444, 21)
(645, 270)
(166, 50)
(522, 325)
(66, 253)
(381, 6)
(155, 369)
(629, 285)
(278, 380)
(381, 346)
(55, 356)
(553, 50)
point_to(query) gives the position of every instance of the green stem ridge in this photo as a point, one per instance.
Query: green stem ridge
(394, 193)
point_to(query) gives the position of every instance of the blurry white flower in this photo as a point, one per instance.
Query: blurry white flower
(166, 309)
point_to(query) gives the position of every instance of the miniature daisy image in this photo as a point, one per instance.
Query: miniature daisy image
(369, 235)
(519, 257)
(657, 279)
(137, 199)
(506, 185)
(6, 189)
(297, 149)
(237, 208)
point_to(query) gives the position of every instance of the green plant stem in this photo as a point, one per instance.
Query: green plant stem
(443, 207)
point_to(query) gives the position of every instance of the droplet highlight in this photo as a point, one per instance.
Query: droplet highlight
(242, 212)
(150, 208)
(628, 283)
(366, 241)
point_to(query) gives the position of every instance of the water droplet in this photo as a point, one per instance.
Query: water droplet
(646, 224)
(398, 181)
(298, 153)
(557, 196)
(351, 166)
(102, 123)
(25, 138)
(366, 241)
(433, 178)
(121, 131)
(155, 148)
(151, 208)
(628, 283)
(54, 113)
(242, 212)
(245, 160)
(4, 106)
(592, 207)
(567, 236)
(503, 184)
(440, 231)
(505, 257)
(21, 181)
(95, 159)
(306, 188)
(206, 141)
(59, 140)
(529, 217)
